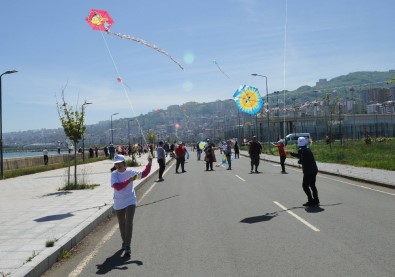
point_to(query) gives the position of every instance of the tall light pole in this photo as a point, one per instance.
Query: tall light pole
(352, 110)
(1, 124)
(83, 135)
(316, 114)
(112, 130)
(268, 109)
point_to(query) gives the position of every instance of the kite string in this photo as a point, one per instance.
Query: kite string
(285, 55)
(124, 89)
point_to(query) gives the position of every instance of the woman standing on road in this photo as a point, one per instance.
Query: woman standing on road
(125, 197)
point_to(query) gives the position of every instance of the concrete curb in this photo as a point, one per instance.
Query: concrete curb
(368, 181)
(42, 262)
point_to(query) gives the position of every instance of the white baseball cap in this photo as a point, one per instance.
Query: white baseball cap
(119, 159)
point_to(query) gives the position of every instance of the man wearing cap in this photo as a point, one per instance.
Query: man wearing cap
(310, 170)
(281, 151)
(254, 151)
(125, 197)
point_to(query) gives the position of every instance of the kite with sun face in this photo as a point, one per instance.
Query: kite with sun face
(248, 99)
(100, 20)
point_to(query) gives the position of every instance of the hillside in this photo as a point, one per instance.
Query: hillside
(195, 118)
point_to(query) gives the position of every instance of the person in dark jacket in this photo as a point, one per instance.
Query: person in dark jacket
(254, 151)
(310, 170)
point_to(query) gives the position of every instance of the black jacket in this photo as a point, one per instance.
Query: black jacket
(306, 159)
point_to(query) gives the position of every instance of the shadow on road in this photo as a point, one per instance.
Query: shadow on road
(116, 261)
(259, 218)
(269, 216)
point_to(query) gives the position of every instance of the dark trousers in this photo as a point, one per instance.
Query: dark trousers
(237, 155)
(45, 159)
(309, 186)
(209, 165)
(125, 222)
(162, 167)
(282, 162)
(254, 161)
(180, 161)
(229, 159)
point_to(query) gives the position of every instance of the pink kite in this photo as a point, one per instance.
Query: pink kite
(101, 21)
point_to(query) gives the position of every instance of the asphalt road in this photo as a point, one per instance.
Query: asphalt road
(233, 223)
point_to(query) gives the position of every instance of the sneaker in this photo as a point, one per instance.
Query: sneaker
(316, 202)
(308, 204)
(127, 252)
(161, 180)
(184, 171)
(283, 172)
(251, 171)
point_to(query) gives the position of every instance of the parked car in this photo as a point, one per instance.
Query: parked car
(293, 138)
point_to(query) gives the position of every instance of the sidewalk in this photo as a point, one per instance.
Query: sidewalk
(379, 177)
(33, 211)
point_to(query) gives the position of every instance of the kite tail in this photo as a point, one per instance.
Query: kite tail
(146, 44)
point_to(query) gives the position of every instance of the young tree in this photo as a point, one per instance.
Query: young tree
(332, 104)
(151, 137)
(72, 120)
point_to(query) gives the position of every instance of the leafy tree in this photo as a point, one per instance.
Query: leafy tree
(151, 137)
(72, 120)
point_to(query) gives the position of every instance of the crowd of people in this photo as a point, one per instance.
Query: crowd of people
(122, 177)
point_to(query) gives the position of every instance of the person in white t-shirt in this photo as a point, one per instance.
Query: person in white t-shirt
(125, 197)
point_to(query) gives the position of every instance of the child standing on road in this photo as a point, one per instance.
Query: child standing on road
(310, 170)
(281, 151)
(125, 197)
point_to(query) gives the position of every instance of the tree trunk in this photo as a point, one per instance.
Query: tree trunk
(75, 163)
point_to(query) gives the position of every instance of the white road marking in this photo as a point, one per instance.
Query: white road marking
(297, 217)
(77, 271)
(351, 184)
(344, 182)
(240, 178)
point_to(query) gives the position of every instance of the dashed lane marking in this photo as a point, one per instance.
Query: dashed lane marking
(297, 217)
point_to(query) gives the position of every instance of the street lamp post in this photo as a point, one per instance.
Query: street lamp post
(316, 114)
(112, 130)
(268, 110)
(352, 110)
(1, 124)
(294, 106)
(83, 135)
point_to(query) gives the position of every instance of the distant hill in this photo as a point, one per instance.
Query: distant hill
(198, 117)
(341, 85)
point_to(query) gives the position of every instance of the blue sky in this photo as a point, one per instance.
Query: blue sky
(292, 42)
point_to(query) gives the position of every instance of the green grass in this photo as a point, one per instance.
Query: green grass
(379, 154)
